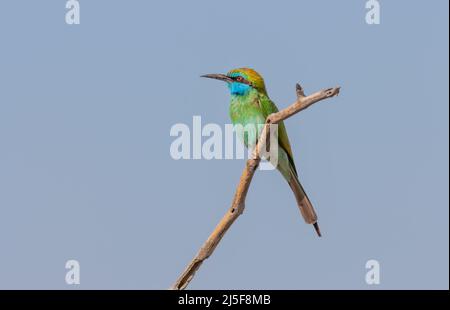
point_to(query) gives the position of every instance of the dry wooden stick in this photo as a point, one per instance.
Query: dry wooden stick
(238, 204)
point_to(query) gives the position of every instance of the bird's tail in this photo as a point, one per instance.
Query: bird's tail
(303, 202)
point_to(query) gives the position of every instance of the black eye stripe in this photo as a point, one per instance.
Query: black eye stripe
(240, 79)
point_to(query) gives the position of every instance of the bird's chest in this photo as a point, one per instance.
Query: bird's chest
(248, 120)
(244, 111)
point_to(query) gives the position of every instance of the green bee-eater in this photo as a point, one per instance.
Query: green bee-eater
(250, 105)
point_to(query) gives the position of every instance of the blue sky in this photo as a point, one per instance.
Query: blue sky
(86, 172)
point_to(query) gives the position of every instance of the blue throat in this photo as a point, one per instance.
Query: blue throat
(238, 89)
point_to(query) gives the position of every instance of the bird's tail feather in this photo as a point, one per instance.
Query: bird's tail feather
(303, 202)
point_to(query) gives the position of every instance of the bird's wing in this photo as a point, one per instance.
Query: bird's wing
(268, 108)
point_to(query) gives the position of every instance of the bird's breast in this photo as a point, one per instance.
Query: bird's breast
(248, 120)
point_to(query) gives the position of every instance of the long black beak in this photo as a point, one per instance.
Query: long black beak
(220, 77)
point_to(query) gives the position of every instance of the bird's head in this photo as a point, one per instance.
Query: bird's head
(241, 81)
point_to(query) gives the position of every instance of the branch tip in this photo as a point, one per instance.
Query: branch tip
(299, 90)
(333, 91)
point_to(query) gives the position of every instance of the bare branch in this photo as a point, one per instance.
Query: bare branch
(238, 204)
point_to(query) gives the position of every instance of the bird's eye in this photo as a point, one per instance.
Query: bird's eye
(239, 79)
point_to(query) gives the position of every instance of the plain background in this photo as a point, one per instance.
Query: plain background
(85, 169)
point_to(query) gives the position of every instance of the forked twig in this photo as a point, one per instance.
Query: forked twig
(238, 204)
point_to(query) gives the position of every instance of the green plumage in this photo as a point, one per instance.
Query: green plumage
(252, 108)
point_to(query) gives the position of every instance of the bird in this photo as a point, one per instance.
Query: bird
(250, 105)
